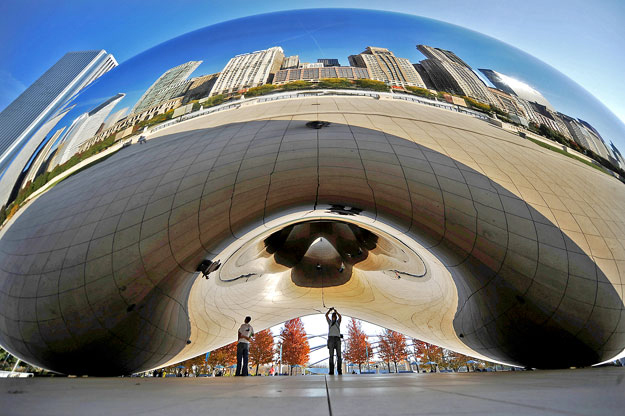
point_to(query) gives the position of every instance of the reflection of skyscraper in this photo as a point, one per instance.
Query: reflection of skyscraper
(450, 73)
(47, 95)
(593, 135)
(13, 172)
(115, 117)
(329, 62)
(384, 66)
(618, 156)
(37, 164)
(84, 127)
(586, 136)
(508, 102)
(172, 83)
(308, 65)
(199, 87)
(249, 70)
(290, 62)
(515, 87)
(285, 76)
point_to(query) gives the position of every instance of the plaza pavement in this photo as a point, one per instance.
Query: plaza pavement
(594, 391)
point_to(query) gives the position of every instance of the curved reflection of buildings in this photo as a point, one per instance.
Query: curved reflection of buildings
(407, 209)
(28, 119)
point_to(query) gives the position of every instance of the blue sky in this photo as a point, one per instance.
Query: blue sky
(580, 38)
(338, 33)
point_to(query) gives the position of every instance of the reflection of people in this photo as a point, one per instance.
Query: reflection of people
(246, 332)
(334, 340)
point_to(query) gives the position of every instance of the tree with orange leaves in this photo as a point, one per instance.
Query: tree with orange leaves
(392, 348)
(427, 352)
(295, 348)
(261, 349)
(226, 355)
(356, 346)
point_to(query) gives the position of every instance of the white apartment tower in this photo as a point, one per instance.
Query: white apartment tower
(249, 70)
(290, 62)
(384, 66)
(84, 127)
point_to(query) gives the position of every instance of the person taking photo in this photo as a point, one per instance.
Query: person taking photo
(334, 340)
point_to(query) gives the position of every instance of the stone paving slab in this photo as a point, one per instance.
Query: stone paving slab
(567, 392)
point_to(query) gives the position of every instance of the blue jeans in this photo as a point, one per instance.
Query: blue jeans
(243, 352)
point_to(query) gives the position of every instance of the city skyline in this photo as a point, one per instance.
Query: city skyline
(465, 82)
(466, 78)
(490, 54)
(549, 35)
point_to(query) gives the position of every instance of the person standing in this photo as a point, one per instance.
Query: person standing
(246, 332)
(334, 340)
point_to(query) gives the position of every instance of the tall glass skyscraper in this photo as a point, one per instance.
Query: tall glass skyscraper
(41, 101)
(172, 83)
(450, 73)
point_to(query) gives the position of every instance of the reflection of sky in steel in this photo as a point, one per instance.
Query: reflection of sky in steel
(338, 33)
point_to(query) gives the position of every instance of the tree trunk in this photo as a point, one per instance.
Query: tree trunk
(388, 364)
(359, 368)
(257, 365)
(395, 362)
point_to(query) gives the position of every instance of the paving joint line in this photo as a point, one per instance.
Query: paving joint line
(325, 378)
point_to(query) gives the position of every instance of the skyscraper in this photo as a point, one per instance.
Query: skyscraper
(329, 62)
(249, 70)
(290, 62)
(284, 76)
(515, 87)
(37, 164)
(86, 126)
(617, 154)
(47, 95)
(172, 83)
(25, 122)
(384, 66)
(199, 87)
(450, 73)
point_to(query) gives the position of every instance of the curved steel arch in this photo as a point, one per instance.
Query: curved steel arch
(521, 246)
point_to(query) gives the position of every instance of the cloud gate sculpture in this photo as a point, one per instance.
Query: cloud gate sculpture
(409, 207)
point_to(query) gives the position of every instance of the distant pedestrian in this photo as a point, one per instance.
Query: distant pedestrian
(246, 332)
(334, 340)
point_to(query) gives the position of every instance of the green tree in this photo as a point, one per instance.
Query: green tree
(260, 90)
(422, 92)
(370, 84)
(478, 105)
(297, 85)
(213, 101)
(334, 83)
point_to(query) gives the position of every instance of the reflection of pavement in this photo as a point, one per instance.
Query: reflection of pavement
(566, 392)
